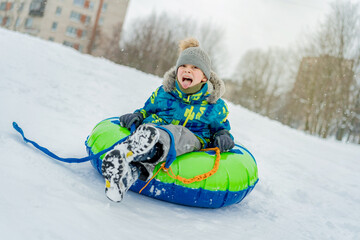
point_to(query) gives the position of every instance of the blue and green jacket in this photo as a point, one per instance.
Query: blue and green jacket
(204, 113)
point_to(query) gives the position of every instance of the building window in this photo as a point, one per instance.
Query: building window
(66, 43)
(35, 5)
(71, 31)
(73, 45)
(37, 8)
(77, 17)
(77, 3)
(85, 19)
(6, 6)
(83, 34)
(51, 39)
(5, 21)
(101, 21)
(54, 26)
(84, 3)
(58, 11)
(75, 32)
(18, 22)
(8, 22)
(28, 23)
(21, 7)
(104, 7)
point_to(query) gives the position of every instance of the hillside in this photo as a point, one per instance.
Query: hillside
(309, 188)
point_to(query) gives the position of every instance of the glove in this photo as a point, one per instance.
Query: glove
(223, 140)
(129, 119)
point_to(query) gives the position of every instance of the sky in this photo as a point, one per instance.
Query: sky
(248, 24)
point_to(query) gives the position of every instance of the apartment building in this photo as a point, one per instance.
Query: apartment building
(70, 22)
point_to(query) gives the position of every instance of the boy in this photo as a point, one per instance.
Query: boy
(188, 108)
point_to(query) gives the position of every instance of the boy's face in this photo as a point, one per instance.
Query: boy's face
(188, 76)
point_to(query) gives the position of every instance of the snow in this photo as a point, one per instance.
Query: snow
(309, 188)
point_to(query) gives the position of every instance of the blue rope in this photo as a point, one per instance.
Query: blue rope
(169, 159)
(67, 160)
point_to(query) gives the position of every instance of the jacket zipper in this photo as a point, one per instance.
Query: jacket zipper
(189, 115)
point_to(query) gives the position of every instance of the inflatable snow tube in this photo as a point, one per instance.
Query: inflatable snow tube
(236, 177)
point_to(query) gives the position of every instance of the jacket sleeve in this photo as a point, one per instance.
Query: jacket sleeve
(151, 107)
(220, 122)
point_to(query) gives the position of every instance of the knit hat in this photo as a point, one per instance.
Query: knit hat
(192, 54)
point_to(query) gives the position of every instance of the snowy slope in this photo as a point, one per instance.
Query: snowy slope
(309, 188)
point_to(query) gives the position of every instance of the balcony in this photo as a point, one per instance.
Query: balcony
(37, 8)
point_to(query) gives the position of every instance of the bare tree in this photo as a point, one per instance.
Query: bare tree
(210, 35)
(99, 40)
(261, 76)
(110, 47)
(323, 98)
(152, 43)
(319, 93)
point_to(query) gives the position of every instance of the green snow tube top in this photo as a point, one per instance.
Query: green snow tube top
(236, 177)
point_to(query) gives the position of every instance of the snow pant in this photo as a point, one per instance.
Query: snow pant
(184, 140)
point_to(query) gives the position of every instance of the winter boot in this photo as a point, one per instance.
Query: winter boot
(116, 168)
(119, 175)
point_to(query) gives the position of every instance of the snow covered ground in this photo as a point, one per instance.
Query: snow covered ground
(309, 188)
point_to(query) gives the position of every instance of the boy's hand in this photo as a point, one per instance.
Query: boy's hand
(129, 119)
(223, 140)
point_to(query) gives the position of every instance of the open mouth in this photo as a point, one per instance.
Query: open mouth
(186, 82)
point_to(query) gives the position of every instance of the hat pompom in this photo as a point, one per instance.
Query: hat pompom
(191, 54)
(187, 43)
